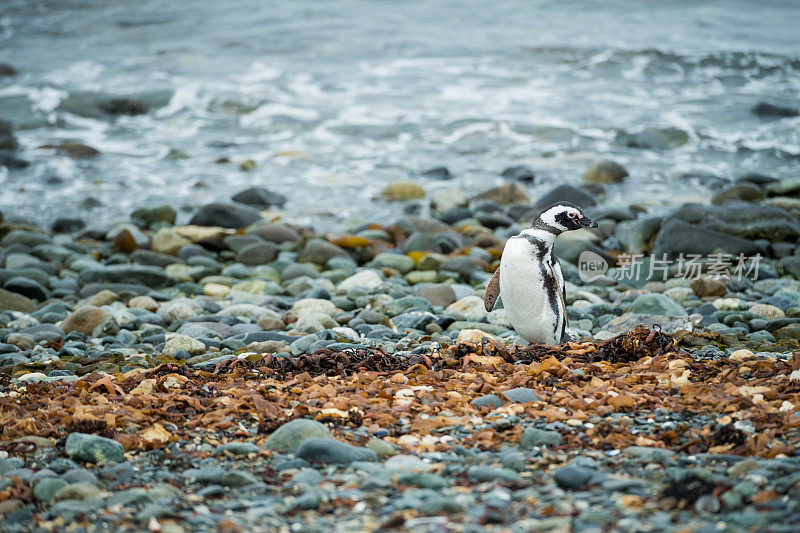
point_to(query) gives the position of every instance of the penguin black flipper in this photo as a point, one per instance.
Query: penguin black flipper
(492, 291)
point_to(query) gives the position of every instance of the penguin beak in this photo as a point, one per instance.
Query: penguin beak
(587, 222)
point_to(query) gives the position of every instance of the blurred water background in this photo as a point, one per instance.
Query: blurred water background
(334, 99)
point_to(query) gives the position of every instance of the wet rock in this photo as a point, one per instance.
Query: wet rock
(605, 172)
(494, 220)
(790, 265)
(276, 233)
(445, 200)
(518, 173)
(11, 162)
(437, 173)
(151, 258)
(491, 473)
(46, 489)
(443, 243)
(296, 270)
(488, 400)
(791, 331)
(183, 342)
(651, 455)
(148, 276)
(143, 302)
(508, 193)
(259, 196)
(742, 192)
(7, 70)
(307, 476)
(148, 217)
(678, 237)
(767, 110)
(26, 287)
(74, 150)
(319, 252)
(407, 463)
(785, 187)
(24, 237)
(573, 477)
(465, 266)
(568, 193)
(521, 395)
(533, 437)
(76, 491)
(225, 216)
(381, 447)
(124, 106)
(106, 328)
(423, 480)
(399, 262)
(656, 304)
(12, 301)
(79, 475)
(310, 306)
(327, 450)
(742, 220)
(7, 139)
(399, 191)
(238, 478)
(168, 242)
(67, 225)
(84, 319)
(767, 311)
(21, 341)
(129, 238)
(366, 280)
(10, 463)
(404, 305)
(258, 253)
(208, 474)
(654, 138)
(634, 235)
(99, 105)
(239, 242)
(475, 336)
(93, 448)
(705, 287)
(290, 435)
(437, 294)
(236, 448)
(470, 308)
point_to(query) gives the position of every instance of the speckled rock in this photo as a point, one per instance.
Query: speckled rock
(183, 342)
(84, 319)
(290, 435)
(93, 448)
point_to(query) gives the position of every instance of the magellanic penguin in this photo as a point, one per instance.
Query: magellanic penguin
(529, 278)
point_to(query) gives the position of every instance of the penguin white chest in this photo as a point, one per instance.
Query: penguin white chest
(528, 290)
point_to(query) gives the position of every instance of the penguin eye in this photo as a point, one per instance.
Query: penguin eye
(572, 214)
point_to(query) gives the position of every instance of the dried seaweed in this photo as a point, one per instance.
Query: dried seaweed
(636, 372)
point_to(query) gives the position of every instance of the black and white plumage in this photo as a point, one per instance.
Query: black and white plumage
(529, 278)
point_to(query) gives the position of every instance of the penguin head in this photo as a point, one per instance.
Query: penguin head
(565, 216)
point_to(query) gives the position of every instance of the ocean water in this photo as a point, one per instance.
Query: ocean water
(334, 99)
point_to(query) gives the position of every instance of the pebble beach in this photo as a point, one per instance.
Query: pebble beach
(238, 373)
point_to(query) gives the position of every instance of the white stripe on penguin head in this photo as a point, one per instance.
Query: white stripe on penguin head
(549, 216)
